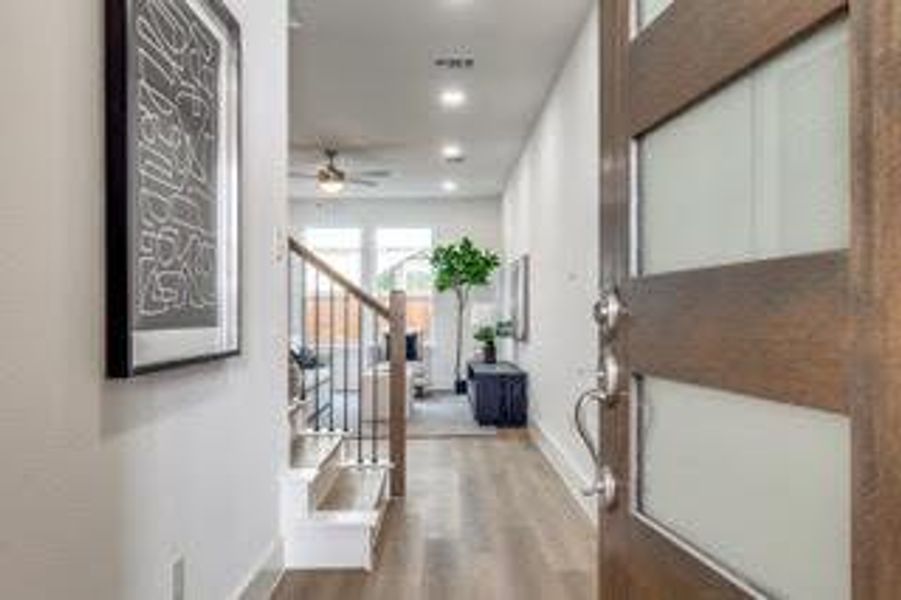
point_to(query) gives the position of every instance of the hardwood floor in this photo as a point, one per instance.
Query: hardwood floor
(485, 518)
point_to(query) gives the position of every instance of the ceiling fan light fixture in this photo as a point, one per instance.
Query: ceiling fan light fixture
(331, 180)
(331, 186)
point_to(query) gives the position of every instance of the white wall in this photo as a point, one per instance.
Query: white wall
(103, 484)
(449, 218)
(550, 211)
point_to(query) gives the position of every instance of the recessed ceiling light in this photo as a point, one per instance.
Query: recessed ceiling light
(453, 98)
(452, 152)
(449, 186)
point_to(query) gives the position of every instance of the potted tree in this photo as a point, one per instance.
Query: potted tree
(460, 268)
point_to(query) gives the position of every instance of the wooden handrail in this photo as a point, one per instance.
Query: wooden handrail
(349, 286)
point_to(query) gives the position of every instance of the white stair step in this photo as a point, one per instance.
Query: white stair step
(356, 489)
(331, 541)
(342, 533)
(315, 465)
(311, 451)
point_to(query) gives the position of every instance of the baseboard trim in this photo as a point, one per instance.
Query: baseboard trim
(562, 466)
(265, 578)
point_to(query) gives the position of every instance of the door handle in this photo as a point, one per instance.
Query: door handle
(604, 484)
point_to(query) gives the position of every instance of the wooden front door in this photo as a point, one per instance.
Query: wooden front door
(751, 228)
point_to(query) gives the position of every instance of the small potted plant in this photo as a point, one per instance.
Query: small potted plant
(487, 336)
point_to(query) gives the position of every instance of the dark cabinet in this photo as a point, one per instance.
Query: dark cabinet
(498, 394)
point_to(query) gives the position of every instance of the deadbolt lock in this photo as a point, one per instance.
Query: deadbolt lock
(609, 375)
(609, 312)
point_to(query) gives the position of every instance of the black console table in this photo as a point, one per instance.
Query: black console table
(497, 394)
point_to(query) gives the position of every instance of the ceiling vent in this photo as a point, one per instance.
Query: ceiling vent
(455, 62)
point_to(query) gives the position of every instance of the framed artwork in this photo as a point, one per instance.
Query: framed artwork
(173, 118)
(519, 298)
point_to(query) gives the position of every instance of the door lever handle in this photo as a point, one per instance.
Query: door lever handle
(604, 484)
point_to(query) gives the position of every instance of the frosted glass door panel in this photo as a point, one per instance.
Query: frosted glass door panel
(803, 158)
(760, 488)
(649, 10)
(757, 170)
(696, 188)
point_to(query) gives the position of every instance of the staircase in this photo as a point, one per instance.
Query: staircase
(347, 414)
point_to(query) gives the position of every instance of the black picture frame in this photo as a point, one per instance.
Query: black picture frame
(189, 332)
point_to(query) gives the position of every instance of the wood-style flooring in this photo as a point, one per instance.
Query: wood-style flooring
(485, 518)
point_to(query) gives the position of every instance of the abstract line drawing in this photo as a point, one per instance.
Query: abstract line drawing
(178, 60)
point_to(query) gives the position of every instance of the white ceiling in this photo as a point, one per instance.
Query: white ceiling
(363, 79)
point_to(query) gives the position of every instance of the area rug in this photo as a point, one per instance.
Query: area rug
(444, 415)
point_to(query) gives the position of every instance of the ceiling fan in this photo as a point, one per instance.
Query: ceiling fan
(332, 180)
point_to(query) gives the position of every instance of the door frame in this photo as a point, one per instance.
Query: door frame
(651, 76)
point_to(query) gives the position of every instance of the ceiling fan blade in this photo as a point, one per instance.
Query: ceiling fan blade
(303, 175)
(347, 145)
(311, 149)
(363, 182)
(374, 173)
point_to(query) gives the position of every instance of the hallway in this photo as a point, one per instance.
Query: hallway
(484, 519)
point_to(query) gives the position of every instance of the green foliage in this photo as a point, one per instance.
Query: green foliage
(486, 334)
(462, 266)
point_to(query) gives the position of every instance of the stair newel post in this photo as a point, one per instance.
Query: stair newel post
(398, 386)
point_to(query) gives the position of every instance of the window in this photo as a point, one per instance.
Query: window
(342, 248)
(402, 263)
